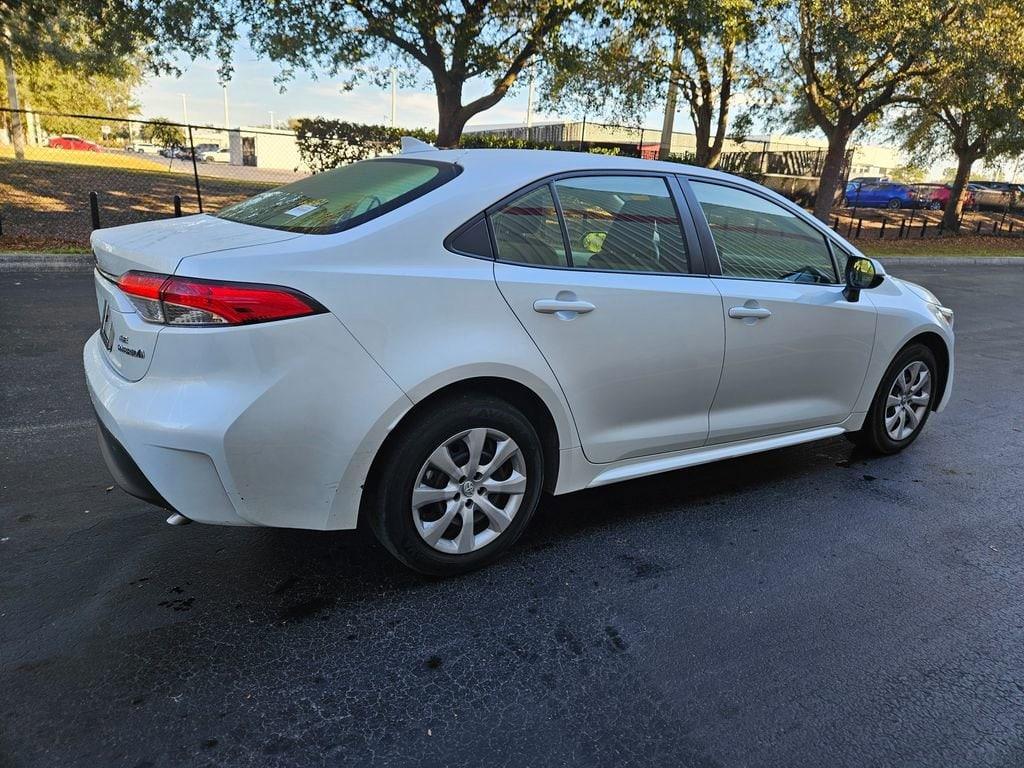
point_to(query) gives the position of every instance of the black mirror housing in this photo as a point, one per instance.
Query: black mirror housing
(862, 274)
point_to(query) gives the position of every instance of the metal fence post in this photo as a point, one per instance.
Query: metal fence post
(177, 206)
(881, 231)
(583, 130)
(94, 209)
(195, 168)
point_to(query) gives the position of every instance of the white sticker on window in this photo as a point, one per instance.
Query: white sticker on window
(301, 210)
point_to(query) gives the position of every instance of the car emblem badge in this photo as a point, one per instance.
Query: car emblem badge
(468, 487)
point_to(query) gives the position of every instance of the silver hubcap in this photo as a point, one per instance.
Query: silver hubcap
(908, 400)
(468, 491)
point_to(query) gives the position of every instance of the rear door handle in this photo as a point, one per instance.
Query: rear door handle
(554, 306)
(754, 312)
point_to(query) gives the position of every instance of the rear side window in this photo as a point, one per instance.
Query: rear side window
(759, 240)
(342, 198)
(526, 231)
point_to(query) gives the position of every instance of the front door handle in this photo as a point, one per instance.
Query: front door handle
(569, 306)
(753, 312)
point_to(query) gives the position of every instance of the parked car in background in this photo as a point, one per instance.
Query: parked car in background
(997, 194)
(884, 194)
(424, 343)
(868, 179)
(143, 148)
(937, 196)
(169, 152)
(70, 141)
(216, 156)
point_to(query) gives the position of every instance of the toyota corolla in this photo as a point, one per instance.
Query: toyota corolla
(426, 343)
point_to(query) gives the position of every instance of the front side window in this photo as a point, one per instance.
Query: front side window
(341, 198)
(526, 231)
(622, 223)
(760, 240)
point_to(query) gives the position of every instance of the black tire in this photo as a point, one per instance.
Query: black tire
(934, 205)
(894, 204)
(390, 511)
(873, 436)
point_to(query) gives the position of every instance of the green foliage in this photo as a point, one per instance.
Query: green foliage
(452, 40)
(163, 133)
(705, 48)
(910, 173)
(845, 61)
(46, 85)
(325, 143)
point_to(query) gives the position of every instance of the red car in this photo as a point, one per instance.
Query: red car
(69, 141)
(938, 196)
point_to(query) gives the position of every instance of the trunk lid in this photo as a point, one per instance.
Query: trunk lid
(128, 341)
(159, 246)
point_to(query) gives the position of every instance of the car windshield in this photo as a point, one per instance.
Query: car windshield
(342, 198)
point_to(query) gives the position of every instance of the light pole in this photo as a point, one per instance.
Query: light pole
(529, 100)
(184, 107)
(272, 126)
(394, 94)
(227, 120)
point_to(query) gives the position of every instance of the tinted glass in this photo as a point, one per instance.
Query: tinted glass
(760, 240)
(623, 223)
(527, 231)
(346, 196)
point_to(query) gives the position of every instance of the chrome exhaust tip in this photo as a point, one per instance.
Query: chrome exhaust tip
(178, 519)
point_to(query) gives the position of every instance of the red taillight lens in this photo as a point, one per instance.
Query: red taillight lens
(191, 301)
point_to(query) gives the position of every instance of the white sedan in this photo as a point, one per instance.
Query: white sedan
(425, 343)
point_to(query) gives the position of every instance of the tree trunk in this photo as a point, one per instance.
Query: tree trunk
(668, 124)
(831, 171)
(954, 206)
(17, 128)
(451, 117)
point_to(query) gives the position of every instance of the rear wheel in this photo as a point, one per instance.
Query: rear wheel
(902, 403)
(458, 486)
(895, 204)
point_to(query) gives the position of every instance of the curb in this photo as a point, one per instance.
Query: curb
(19, 261)
(25, 261)
(949, 261)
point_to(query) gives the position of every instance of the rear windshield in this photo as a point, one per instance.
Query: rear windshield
(342, 198)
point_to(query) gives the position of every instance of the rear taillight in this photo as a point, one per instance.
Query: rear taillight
(174, 300)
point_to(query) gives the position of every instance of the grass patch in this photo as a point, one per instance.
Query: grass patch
(965, 245)
(80, 157)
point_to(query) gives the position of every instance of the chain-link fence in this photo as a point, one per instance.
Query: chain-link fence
(73, 173)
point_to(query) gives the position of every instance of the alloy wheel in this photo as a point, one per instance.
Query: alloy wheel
(468, 490)
(908, 400)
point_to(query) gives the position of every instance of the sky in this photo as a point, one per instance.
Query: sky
(253, 94)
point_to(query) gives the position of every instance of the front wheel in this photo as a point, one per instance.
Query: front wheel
(895, 204)
(902, 403)
(458, 486)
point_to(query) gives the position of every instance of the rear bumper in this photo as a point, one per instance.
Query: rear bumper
(273, 424)
(125, 471)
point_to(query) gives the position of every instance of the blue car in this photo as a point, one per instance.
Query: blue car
(884, 194)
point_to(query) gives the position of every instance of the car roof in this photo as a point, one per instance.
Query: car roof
(537, 163)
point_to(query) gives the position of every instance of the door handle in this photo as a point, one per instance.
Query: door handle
(751, 312)
(554, 306)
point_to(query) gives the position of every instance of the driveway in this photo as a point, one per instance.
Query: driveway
(805, 607)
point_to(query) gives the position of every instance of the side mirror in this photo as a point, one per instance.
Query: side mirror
(862, 274)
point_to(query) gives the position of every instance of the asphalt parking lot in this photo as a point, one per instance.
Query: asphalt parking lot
(806, 607)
